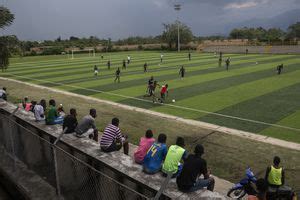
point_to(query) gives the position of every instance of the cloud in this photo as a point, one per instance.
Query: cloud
(244, 5)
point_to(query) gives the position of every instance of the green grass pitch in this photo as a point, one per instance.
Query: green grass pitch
(249, 90)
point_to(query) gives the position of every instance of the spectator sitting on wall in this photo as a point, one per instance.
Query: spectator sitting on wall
(112, 138)
(145, 144)
(61, 111)
(26, 104)
(193, 167)
(175, 154)
(3, 94)
(87, 127)
(39, 110)
(70, 121)
(33, 104)
(156, 155)
(52, 116)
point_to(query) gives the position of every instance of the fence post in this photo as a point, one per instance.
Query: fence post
(11, 135)
(163, 187)
(58, 192)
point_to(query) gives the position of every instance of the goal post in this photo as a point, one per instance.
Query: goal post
(91, 52)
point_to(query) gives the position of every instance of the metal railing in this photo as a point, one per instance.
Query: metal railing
(72, 176)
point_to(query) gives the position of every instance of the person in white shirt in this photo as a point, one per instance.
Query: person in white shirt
(3, 94)
(39, 112)
(128, 59)
(161, 57)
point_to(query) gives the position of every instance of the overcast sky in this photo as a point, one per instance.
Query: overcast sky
(48, 19)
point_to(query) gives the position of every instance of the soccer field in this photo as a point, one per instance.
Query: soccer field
(249, 96)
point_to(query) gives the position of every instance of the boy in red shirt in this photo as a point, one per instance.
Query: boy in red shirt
(163, 92)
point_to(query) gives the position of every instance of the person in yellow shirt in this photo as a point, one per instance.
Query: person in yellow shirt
(275, 174)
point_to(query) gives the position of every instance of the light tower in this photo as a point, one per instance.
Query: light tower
(177, 7)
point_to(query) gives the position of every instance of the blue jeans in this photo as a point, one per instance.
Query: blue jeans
(180, 167)
(201, 183)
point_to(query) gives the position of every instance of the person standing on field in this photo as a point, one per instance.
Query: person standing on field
(118, 73)
(124, 64)
(108, 64)
(182, 72)
(227, 63)
(128, 59)
(161, 58)
(190, 56)
(279, 69)
(96, 70)
(145, 67)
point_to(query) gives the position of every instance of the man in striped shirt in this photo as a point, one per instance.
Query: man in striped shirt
(112, 139)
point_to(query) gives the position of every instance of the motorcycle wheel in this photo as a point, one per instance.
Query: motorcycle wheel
(236, 193)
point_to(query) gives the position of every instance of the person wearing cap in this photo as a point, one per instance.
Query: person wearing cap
(194, 166)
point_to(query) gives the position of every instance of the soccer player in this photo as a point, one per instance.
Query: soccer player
(108, 64)
(118, 73)
(247, 51)
(220, 62)
(124, 64)
(150, 83)
(182, 72)
(163, 93)
(227, 63)
(161, 57)
(152, 91)
(128, 59)
(279, 69)
(190, 56)
(102, 57)
(145, 67)
(96, 70)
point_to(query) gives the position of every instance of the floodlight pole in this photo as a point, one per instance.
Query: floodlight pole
(177, 7)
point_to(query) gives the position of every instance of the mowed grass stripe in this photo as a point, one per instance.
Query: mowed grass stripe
(290, 121)
(83, 66)
(270, 108)
(115, 61)
(187, 91)
(221, 99)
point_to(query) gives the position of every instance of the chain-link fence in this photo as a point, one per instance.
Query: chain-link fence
(73, 175)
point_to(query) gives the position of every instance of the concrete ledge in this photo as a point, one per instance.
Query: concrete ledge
(116, 162)
(22, 182)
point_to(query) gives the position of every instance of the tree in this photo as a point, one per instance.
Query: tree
(294, 31)
(6, 18)
(170, 34)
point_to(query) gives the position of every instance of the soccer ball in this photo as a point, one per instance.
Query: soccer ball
(173, 100)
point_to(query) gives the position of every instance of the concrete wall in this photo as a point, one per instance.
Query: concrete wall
(254, 49)
(84, 171)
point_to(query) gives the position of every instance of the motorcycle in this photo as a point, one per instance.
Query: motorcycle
(245, 186)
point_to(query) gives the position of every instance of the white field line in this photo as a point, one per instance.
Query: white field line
(244, 134)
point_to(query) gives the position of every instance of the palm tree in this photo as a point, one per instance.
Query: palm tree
(6, 18)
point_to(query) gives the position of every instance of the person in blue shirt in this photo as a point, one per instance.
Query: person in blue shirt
(155, 155)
